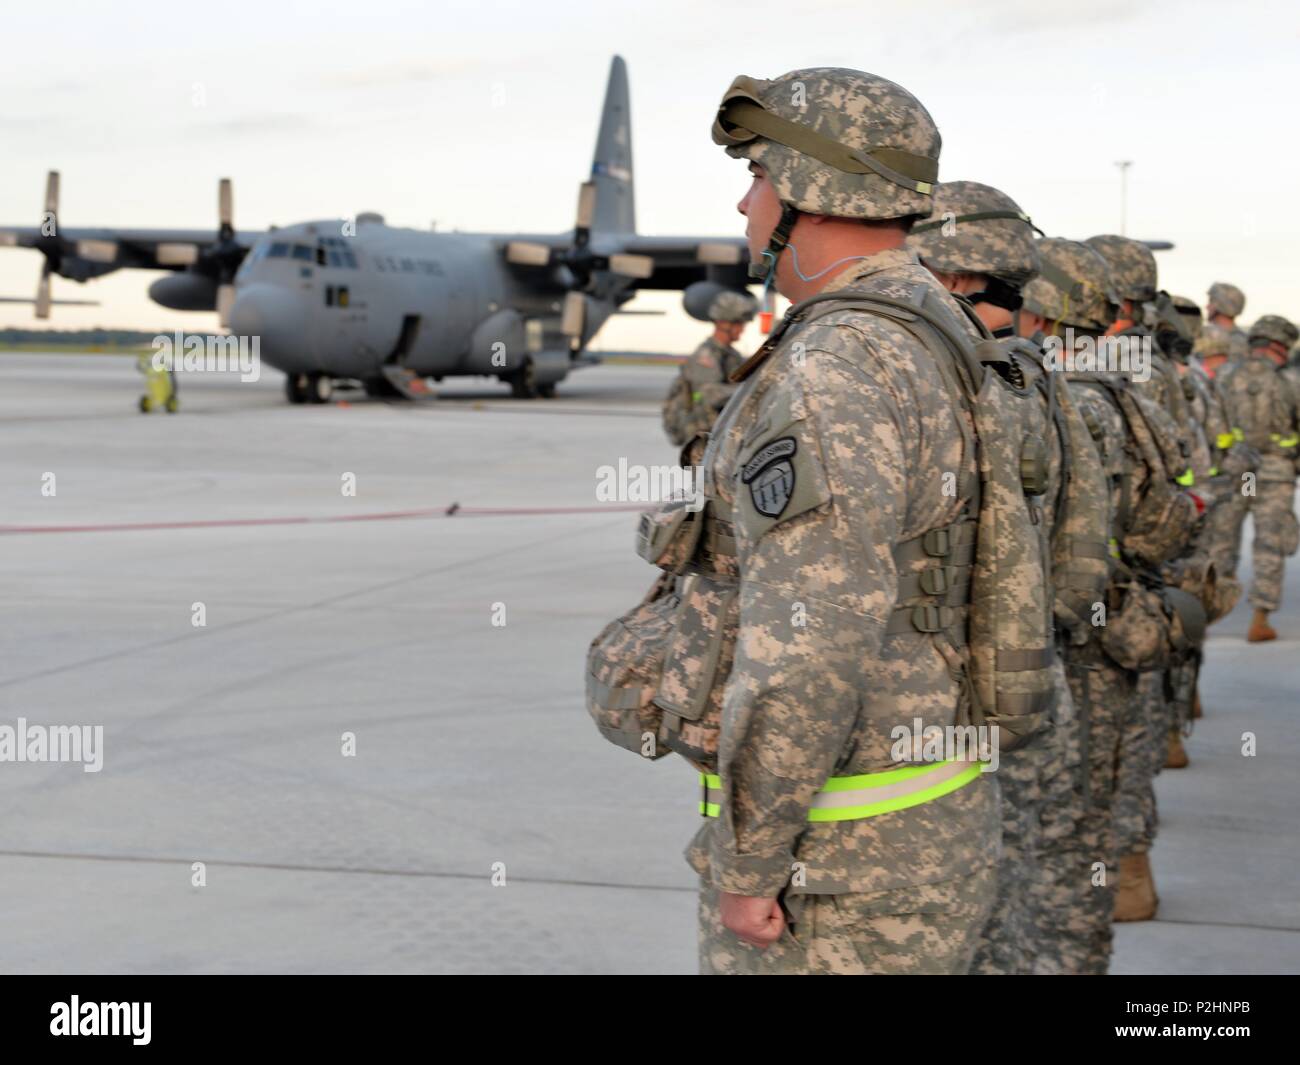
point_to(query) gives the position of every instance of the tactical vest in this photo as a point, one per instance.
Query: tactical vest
(981, 596)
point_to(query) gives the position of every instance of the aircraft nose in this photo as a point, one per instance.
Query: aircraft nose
(274, 314)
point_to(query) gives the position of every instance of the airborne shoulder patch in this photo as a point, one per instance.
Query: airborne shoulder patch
(771, 477)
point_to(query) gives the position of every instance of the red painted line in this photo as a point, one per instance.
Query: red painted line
(394, 515)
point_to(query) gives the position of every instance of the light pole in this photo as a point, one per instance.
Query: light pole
(1123, 165)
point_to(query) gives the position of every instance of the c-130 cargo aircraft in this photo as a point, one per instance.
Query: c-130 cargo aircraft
(387, 307)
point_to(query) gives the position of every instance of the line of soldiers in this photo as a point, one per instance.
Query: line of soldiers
(858, 556)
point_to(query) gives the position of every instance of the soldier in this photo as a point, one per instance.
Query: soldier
(980, 245)
(1262, 405)
(1224, 302)
(831, 467)
(1072, 298)
(703, 384)
(1144, 746)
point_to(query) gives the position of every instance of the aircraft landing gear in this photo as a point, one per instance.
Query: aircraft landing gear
(524, 384)
(308, 388)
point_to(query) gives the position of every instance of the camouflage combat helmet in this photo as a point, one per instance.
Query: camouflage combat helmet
(1226, 299)
(1072, 287)
(1191, 316)
(834, 141)
(1132, 266)
(732, 307)
(975, 229)
(1273, 328)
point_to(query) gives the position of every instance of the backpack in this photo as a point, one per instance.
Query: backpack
(1259, 403)
(1156, 526)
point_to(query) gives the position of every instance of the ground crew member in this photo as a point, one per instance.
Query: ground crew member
(981, 245)
(828, 469)
(1264, 410)
(703, 384)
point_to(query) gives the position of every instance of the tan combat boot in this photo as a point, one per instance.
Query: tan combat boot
(1176, 757)
(1197, 712)
(1260, 630)
(1136, 899)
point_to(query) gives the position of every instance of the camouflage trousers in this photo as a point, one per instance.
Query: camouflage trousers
(926, 929)
(1007, 943)
(1143, 747)
(1273, 509)
(1076, 889)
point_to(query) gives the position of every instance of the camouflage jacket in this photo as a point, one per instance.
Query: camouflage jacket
(839, 444)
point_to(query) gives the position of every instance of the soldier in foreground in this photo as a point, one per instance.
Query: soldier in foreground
(703, 386)
(865, 576)
(1264, 410)
(981, 246)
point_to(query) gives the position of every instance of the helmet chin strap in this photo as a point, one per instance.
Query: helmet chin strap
(765, 269)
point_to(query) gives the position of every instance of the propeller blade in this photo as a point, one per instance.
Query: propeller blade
(43, 294)
(574, 316)
(718, 254)
(52, 192)
(177, 254)
(226, 203)
(526, 253)
(635, 266)
(97, 251)
(225, 300)
(586, 209)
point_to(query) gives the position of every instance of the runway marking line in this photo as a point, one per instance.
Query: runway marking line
(454, 510)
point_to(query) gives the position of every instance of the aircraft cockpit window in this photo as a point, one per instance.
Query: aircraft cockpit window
(408, 267)
(349, 260)
(278, 250)
(335, 259)
(301, 251)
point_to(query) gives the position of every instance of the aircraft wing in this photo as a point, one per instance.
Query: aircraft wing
(653, 262)
(85, 252)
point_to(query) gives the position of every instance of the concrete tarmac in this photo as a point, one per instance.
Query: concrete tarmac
(372, 616)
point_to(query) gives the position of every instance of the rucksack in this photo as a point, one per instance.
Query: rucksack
(1259, 403)
(676, 410)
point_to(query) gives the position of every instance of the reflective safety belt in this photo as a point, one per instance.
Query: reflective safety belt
(1284, 441)
(869, 794)
(1225, 440)
(1187, 478)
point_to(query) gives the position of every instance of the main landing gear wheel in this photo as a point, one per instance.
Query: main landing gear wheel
(295, 388)
(320, 388)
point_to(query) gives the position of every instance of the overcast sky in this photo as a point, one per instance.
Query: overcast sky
(483, 116)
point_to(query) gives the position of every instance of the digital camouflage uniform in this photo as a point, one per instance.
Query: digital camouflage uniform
(834, 451)
(1229, 300)
(1079, 849)
(979, 230)
(706, 390)
(1272, 504)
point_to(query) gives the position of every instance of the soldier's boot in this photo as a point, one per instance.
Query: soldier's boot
(1197, 713)
(1136, 899)
(1260, 630)
(1176, 758)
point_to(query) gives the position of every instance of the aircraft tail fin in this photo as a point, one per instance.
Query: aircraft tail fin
(611, 166)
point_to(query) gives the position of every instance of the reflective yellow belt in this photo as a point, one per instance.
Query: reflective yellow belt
(869, 794)
(1284, 441)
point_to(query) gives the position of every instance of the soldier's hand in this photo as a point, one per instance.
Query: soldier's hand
(759, 922)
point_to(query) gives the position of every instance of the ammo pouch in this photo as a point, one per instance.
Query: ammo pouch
(697, 660)
(1161, 523)
(1136, 635)
(1187, 622)
(624, 669)
(667, 536)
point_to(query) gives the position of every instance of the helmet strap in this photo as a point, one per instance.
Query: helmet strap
(765, 270)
